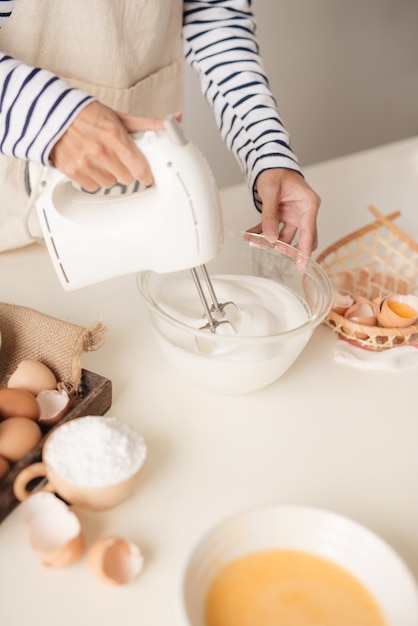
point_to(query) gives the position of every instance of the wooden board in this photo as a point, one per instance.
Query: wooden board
(95, 399)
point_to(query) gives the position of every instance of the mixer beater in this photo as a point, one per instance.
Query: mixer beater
(216, 313)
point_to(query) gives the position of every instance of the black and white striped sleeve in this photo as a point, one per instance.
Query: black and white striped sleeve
(221, 44)
(36, 108)
(6, 9)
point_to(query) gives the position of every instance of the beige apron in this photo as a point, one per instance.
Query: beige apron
(126, 53)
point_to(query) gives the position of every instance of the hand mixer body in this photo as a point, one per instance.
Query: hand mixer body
(175, 224)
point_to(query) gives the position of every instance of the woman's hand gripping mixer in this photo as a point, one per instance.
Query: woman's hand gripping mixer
(176, 224)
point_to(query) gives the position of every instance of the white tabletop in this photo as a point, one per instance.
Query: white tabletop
(325, 434)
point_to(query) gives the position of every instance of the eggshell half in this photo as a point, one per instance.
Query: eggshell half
(33, 376)
(363, 311)
(18, 403)
(53, 405)
(39, 503)
(397, 311)
(115, 560)
(341, 302)
(54, 531)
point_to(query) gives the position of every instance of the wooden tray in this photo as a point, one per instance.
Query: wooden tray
(95, 399)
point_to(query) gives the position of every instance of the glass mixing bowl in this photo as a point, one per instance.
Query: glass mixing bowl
(276, 308)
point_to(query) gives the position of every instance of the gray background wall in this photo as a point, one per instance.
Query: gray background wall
(344, 73)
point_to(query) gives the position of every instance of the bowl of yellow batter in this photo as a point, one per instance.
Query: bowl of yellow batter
(296, 566)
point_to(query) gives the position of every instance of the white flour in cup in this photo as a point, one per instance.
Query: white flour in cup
(95, 451)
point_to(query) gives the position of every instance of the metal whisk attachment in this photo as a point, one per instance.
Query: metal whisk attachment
(216, 312)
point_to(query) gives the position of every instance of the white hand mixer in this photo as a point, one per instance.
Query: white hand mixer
(174, 225)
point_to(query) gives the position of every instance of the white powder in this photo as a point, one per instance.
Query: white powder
(95, 451)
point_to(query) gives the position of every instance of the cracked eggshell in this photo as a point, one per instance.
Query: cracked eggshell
(54, 531)
(115, 560)
(33, 376)
(341, 302)
(362, 311)
(53, 405)
(397, 311)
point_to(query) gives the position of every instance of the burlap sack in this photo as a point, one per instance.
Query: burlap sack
(29, 334)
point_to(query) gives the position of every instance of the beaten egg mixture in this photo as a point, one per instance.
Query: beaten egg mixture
(288, 588)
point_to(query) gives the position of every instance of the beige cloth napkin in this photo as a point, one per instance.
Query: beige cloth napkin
(30, 334)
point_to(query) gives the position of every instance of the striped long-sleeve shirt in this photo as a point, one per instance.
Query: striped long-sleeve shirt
(36, 107)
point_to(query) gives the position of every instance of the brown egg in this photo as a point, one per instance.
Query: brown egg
(33, 376)
(397, 311)
(115, 560)
(18, 403)
(4, 466)
(18, 435)
(55, 531)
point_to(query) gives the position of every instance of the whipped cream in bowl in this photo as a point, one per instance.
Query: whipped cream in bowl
(276, 307)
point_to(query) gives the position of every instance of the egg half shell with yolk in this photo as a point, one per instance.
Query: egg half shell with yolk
(115, 560)
(397, 311)
(54, 531)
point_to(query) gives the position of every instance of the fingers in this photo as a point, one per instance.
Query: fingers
(270, 217)
(308, 235)
(97, 149)
(135, 163)
(287, 233)
(290, 208)
(257, 230)
(99, 168)
(135, 124)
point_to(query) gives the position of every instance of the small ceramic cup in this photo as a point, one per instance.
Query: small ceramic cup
(86, 493)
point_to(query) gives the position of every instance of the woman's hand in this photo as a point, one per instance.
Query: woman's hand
(290, 206)
(97, 150)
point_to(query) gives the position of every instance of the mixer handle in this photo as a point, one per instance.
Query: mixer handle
(174, 131)
(34, 174)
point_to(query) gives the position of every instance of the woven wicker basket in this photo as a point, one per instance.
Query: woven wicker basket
(376, 260)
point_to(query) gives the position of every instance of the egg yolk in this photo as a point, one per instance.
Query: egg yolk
(288, 588)
(403, 310)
